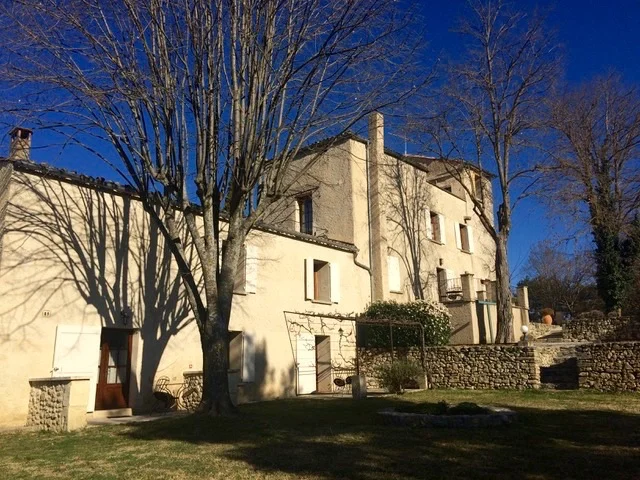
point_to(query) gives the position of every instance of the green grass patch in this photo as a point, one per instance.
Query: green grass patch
(559, 435)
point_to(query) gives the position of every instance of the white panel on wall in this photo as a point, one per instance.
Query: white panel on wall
(308, 278)
(393, 264)
(335, 282)
(456, 230)
(443, 230)
(470, 238)
(77, 354)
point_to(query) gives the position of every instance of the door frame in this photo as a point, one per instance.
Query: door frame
(103, 371)
(321, 339)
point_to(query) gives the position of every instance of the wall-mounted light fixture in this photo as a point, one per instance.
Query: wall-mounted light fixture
(125, 316)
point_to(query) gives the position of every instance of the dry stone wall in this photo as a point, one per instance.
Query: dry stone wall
(371, 358)
(482, 367)
(609, 366)
(469, 366)
(47, 405)
(596, 326)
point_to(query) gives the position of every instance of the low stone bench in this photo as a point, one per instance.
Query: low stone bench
(498, 416)
(58, 404)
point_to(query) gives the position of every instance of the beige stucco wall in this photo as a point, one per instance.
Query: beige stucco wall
(434, 254)
(76, 256)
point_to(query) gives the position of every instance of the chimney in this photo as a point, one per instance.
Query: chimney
(378, 227)
(20, 149)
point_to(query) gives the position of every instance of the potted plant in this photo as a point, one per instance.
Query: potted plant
(547, 316)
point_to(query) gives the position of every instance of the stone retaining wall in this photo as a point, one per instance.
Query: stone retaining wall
(58, 404)
(609, 366)
(596, 326)
(482, 367)
(537, 330)
(469, 366)
(371, 358)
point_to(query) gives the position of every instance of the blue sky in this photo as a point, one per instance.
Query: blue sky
(595, 36)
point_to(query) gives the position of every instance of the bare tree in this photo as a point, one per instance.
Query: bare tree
(206, 104)
(560, 280)
(595, 171)
(492, 108)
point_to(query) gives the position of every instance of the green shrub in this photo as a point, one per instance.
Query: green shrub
(395, 375)
(434, 317)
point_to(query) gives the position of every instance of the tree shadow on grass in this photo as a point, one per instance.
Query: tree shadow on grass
(345, 439)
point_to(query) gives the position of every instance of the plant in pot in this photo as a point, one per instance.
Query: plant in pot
(547, 316)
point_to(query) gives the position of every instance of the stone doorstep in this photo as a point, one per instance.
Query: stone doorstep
(118, 412)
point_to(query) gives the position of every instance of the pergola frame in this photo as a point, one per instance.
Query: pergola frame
(370, 321)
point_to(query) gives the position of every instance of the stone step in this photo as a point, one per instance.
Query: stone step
(559, 386)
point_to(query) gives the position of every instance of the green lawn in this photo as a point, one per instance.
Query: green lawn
(557, 435)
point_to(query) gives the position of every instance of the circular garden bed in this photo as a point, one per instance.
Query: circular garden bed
(463, 415)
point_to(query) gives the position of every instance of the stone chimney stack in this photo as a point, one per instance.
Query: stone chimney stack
(378, 227)
(20, 149)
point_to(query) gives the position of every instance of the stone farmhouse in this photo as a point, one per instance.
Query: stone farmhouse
(90, 296)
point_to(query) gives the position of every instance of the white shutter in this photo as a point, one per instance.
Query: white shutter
(334, 270)
(457, 232)
(248, 357)
(77, 354)
(428, 226)
(393, 264)
(251, 272)
(443, 230)
(308, 274)
(449, 274)
(470, 239)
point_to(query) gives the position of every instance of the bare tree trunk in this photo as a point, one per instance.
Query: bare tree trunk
(504, 332)
(216, 399)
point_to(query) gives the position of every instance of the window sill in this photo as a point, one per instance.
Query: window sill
(465, 251)
(322, 302)
(437, 242)
(240, 292)
(397, 292)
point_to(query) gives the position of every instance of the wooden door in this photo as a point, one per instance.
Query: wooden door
(115, 369)
(323, 364)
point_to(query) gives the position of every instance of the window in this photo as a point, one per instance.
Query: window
(305, 214)
(464, 237)
(435, 227)
(477, 187)
(322, 281)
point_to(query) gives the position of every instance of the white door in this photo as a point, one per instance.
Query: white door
(77, 354)
(306, 359)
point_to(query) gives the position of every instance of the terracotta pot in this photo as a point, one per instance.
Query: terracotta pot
(547, 320)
